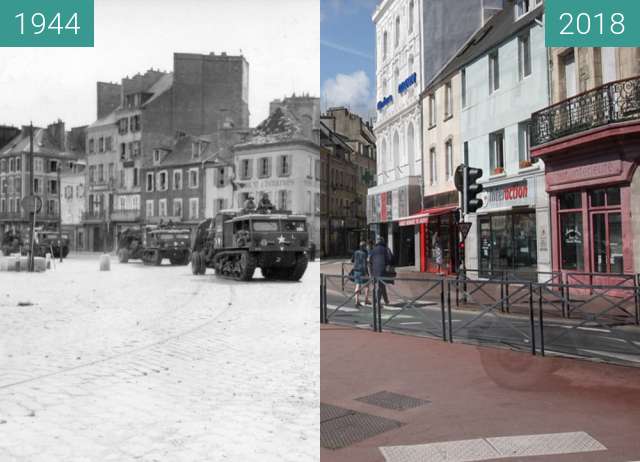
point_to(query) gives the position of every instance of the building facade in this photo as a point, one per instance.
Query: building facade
(511, 231)
(281, 160)
(51, 149)
(414, 40)
(72, 203)
(588, 139)
(348, 166)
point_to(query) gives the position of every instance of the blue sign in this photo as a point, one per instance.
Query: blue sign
(385, 102)
(404, 86)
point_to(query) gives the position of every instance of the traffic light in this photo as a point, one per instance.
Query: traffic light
(465, 180)
(473, 189)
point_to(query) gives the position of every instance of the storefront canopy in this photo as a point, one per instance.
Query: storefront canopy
(423, 216)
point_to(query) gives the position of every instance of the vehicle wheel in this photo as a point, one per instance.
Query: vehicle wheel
(248, 263)
(157, 258)
(123, 255)
(298, 270)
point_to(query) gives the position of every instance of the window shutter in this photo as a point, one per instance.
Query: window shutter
(250, 168)
(269, 166)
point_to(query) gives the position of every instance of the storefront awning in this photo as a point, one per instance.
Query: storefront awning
(423, 216)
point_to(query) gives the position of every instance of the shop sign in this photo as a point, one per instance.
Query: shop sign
(506, 195)
(385, 102)
(408, 82)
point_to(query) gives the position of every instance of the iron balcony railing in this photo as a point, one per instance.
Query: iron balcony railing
(610, 103)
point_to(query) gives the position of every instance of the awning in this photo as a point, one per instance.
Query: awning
(423, 216)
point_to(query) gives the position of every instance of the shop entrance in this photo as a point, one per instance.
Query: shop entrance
(508, 243)
(440, 244)
(404, 245)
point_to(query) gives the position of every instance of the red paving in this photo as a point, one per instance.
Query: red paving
(477, 392)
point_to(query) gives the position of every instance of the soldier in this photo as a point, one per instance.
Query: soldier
(249, 204)
(265, 204)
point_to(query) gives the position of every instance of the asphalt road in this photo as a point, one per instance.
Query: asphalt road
(612, 343)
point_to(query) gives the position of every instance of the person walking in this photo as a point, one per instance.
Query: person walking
(360, 271)
(380, 258)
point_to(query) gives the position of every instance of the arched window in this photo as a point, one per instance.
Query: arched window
(396, 154)
(410, 148)
(411, 8)
(385, 43)
(397, 41)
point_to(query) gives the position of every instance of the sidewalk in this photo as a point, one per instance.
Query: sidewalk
(473, 393)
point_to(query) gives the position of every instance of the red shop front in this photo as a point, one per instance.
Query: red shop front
(438, 238)
(590, 179)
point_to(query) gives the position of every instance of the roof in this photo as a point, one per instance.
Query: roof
(43, 144)
(501, 27)
(110, 119)
(274, 216)
(282, 126)
(160, 87)
(181, 152)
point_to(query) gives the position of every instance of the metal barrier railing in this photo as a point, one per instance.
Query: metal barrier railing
(536, 317)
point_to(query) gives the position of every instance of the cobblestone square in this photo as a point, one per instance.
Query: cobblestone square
(155, 364)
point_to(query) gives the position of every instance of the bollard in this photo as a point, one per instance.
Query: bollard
(39, 265)
(105, 262)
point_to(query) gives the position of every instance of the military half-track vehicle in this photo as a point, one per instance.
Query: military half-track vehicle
(234, 244)
(11, 243)
(51, 242)
(171, 243)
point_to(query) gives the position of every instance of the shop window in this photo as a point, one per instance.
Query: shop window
(571, 241)
(571, 200)
(604, 197)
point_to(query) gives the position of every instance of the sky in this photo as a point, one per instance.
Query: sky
(347, 54)
(279, 38)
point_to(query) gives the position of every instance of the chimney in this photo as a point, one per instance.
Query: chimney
(109, 96)
(58, 134)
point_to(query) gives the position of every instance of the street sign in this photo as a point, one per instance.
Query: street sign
(32, 204)
(464, 227)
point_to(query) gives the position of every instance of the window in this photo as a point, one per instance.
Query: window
(149, 181)
(496, 146)
(18, 164)
(384, 86)
(411, 8)
(410, 64)
(284, 165)
(219, 204)
(3, 165)
(163, 181)
(221, 177)
(101, 173)
(193, 208)
(195, 150)
(135, 123)
(18, 185)
(463, 83)
(397, 37)
(112, 171)
(123, 151)
(524, 144)
(432, 110)
(245, 169)
(80, 190)
(317, 204)
(162, 208)
(568, 75)
(92, 174)
(91, 146)
(156, 156)
(309, 203)
(448, 100)
(123, 126)
(524, 6)
(177, 180)
(494, 72)
(317, 162)
(432, 164)
(101, 144)
(264, 167)
(283, 200)
(524, 55)
(448, 149)
(136, 178)
(177, 208)
(122, 178)
(310, 167)
(193, 178)
(385, 45)
(149, 208)
(108, 144)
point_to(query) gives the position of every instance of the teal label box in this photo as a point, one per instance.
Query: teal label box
(46, 23)
(592, 23)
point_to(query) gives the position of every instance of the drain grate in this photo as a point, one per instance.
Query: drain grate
(395, 401)
(340, 427)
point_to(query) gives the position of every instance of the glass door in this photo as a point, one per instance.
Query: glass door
(607, 242)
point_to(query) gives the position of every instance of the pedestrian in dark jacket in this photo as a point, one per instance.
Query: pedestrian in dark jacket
(360, 271)
(380, 257)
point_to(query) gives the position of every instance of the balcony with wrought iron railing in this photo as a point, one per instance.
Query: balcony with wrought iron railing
(94, 215)
(610, 103)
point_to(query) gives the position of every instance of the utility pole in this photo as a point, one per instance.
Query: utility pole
(59, 211)
(31, 243)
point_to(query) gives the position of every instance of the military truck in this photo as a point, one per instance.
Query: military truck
(130, 245)
(171, 243)
(234, 244)
(51, 242)
(11, 243)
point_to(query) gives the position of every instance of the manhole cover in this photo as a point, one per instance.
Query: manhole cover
(340, 427)
(394, 401)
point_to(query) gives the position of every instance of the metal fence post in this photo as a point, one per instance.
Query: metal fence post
(635, 299)
(322, 317)
(531, 320)
(541, 319)
(342, 275)
(506, 295)
(450, 323)
(444, 329)
(374, 304)
(502, 282)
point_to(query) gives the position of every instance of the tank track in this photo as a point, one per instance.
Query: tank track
(238, 265)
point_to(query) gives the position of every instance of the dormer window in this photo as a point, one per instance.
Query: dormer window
(156, 156)
(197, 149)
(525, 6)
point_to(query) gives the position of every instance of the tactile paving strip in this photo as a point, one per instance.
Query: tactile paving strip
(340, 427)
(395, 401)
